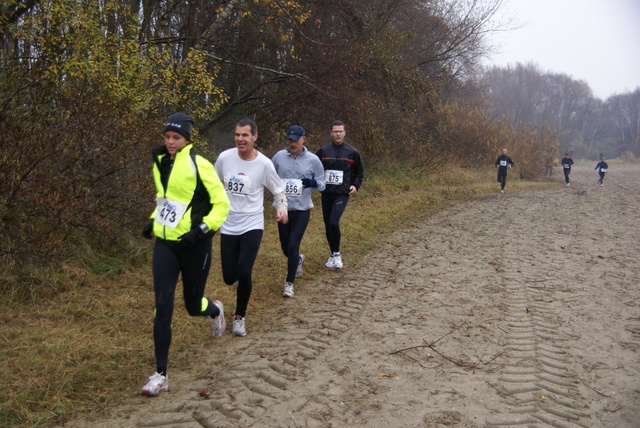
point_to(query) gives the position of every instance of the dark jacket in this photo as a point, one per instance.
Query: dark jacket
(341, 157)
(601, 165)
(566, 163)
(502, 169)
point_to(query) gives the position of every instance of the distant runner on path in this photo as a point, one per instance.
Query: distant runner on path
(602, 169)
(503, 163)
(566, 167)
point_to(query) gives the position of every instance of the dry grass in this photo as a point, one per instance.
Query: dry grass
(77, 351)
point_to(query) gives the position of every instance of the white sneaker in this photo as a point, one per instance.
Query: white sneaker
(238, 327)
(218, 323)
(568, 184)
(337, 262)
(330, 263)
(156, 383)
(300, 263)
(501, 191)
(288, 289)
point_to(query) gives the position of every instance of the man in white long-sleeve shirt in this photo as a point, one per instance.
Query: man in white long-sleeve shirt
(245, 173)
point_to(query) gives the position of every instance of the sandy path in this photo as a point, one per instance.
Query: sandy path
(522, 309)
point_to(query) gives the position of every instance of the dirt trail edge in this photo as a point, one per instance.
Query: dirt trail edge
(522, 309)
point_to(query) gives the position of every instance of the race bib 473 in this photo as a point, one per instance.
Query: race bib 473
(169, 212)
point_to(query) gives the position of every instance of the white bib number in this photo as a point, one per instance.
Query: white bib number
(239, 184)
(603, 169)
(567, 166)
(332, 176)
(169, 212)
(503, 163)
(292, 187)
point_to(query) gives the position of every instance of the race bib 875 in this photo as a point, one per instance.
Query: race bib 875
(335, 177)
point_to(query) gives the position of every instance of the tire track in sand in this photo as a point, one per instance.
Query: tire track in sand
(517, 310)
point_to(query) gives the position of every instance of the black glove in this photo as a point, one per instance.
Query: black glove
(147, 230)
(309, 182)
(191, 237)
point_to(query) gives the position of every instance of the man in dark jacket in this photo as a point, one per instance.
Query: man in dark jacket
(344, 174)
(566, 167)
(503, 163)
(602, 169)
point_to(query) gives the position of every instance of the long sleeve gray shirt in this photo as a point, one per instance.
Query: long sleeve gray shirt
(292, 170)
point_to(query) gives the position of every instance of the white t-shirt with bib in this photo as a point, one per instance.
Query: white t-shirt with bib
(244, 182)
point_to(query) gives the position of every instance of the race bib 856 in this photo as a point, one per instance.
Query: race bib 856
(292, 186)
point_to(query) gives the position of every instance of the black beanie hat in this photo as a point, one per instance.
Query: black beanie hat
(180, 123)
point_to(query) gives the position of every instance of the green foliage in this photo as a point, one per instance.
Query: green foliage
(93, 95)
(94, 79)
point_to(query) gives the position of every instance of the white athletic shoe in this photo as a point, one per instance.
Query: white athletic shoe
(337, 262)
(156, 383)
(218, 323)
(300, 263)
(568, 184)
(288, 289)
(238, 326)
(501, 191)
(330, 263)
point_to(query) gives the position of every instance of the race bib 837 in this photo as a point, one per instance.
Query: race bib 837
(239, 184)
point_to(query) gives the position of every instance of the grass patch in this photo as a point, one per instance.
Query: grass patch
(89, 345)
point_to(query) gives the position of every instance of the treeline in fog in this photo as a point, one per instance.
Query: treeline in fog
(85, 86)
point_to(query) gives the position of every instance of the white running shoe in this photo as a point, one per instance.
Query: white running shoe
(330, 263)
(337, 261)
(300, 263)
(501, 191)
(568, 185)
(218, 323)
(238, 326)
(288, 289)
(156, 383)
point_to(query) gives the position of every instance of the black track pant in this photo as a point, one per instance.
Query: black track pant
(566, 174)
(291, 235)
(170, 259)
(601, 180)
(238, 254)
(502, 179)
(333, 207)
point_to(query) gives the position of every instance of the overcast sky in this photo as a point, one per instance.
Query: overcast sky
(597, 41)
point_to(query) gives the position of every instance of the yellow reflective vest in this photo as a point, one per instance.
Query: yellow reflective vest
(192, 181)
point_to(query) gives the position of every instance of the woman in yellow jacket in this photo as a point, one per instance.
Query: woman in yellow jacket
(191, 205)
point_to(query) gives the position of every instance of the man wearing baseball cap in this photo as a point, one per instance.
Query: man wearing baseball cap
(301, 172)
